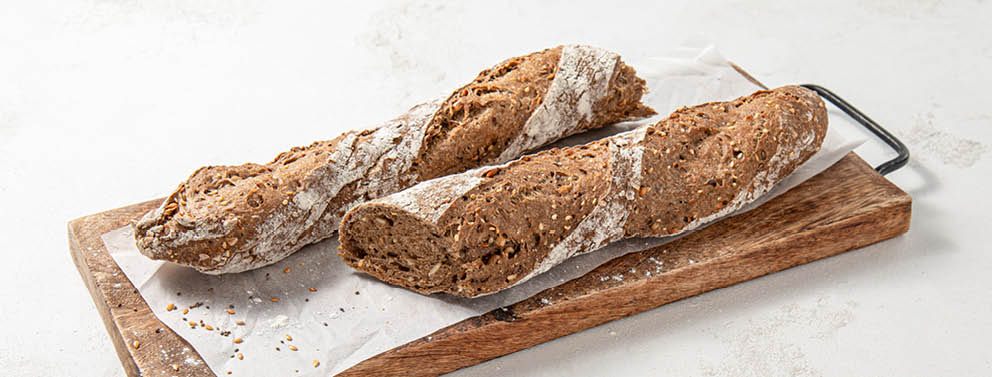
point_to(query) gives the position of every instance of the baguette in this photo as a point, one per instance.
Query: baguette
(490, 228)
(227, 219)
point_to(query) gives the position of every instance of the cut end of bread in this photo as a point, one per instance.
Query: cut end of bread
(400, 248)
(625, 102)
(397, 247)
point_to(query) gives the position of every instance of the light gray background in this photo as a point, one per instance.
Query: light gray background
(108, 103)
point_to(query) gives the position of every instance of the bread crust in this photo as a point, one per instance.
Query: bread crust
(226, 219)
(491, 228)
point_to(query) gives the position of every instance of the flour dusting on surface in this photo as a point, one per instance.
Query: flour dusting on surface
(428, 200)
(929, 142)
(582, 79)
(600, 227)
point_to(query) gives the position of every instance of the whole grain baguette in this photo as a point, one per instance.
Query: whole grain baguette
(226, 219)
(490, 228)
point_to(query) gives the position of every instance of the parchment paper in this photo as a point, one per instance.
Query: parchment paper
(339, 317)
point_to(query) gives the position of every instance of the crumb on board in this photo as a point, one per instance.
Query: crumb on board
(279, 321)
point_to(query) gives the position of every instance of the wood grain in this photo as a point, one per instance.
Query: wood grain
(126, 315)
(846, 207)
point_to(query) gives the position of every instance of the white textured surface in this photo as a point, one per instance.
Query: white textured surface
(111, 87)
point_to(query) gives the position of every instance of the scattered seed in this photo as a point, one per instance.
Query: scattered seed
(238, 341)
(293, 348)
(289, 338)
(313, 289)
(175, 367)
(240, 323)
(275, 299)
(316, 363)
(286, 270)
(209, 328)
(241, 356)
(136, 344)
(230, 311)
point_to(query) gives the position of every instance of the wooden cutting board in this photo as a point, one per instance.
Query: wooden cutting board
(843, 208)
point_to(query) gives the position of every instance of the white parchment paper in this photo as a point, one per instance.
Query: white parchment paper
(339, 317)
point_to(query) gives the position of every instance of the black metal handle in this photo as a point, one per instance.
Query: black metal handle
(886, 167)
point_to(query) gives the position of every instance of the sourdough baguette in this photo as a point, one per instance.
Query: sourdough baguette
(227, 219)
(490, 228)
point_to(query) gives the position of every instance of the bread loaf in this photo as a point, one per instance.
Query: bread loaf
(490, 228)
(226, 219)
